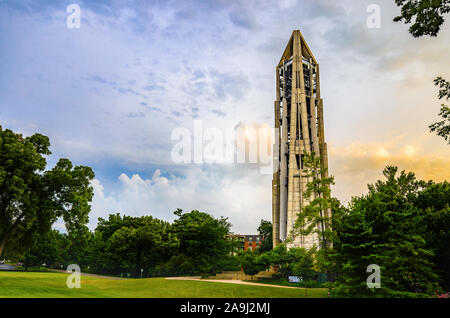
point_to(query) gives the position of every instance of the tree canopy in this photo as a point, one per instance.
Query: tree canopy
(426, 16)
(202, 238)
(129, 244)
(265, 230)
(32, 199)
(390, 228)
(442, 127)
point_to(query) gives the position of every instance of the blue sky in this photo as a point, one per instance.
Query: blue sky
(110, 93)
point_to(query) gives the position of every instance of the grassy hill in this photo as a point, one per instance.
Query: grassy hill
(53, 285)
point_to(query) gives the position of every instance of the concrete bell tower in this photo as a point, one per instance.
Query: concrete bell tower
(299, 122)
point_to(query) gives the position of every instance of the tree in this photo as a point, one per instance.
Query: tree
(250, 263)
(31, 199)
(315, 216)
(50, 248)
(202, 239)
(195, 243)
(142, 246)
(442, 128)
(305, 266)
(282, 259)
(323, 262)
(426, 16)
(434, 202)
(130, 243)
(265, 231)
(78, 244)
(385, 227)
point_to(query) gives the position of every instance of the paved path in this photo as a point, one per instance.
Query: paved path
(230, 281)
(91, 275)
(7, 267)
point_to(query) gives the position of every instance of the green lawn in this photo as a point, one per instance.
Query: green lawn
(23, 284)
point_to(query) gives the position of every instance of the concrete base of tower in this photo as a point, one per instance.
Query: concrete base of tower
(305, 241)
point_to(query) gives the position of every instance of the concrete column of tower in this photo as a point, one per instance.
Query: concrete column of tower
(277, 165)
(305, 129)
(314, 128)
(294, 169)
(283, 173)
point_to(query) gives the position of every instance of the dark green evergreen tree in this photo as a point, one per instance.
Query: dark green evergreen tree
(434, 203)
(385, 228)
(265, 231)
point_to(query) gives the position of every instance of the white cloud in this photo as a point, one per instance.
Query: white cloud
(241, 195)
(284, 4)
